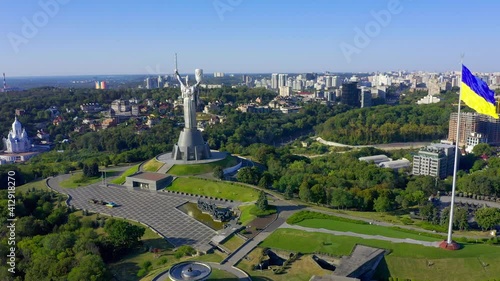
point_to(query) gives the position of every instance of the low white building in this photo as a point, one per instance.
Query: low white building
(375, 159)
(396, 164)
(428, 100)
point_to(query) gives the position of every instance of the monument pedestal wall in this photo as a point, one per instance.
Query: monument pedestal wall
(191, 146)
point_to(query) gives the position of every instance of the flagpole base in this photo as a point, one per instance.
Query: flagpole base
(453, 246)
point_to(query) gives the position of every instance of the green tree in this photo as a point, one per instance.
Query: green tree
(427, 211)
(122, 234)
(262, 202)
(90, 267)
(341, 198)
(218, 172)
(266, 180)
(487, 218)
(248, 175)
(382, 204)
(460, 219)
(289, 192)
(305, 193)
(91, 170)
(482, 149)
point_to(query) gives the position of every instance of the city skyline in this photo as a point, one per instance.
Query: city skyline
(72, 37)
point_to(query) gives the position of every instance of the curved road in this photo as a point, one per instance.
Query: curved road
(384, 146)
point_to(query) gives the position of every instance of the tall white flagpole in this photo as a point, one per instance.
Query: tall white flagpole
(450, 226)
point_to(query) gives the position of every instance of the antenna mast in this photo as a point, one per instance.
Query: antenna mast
(176, 61)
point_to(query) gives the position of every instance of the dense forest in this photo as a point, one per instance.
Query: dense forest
(56, 243)
(243, 129)
(385, 124)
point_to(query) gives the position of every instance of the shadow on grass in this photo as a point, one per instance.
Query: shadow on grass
(382, 272)
(158, 243)
(125, 271)
(113, 173)
(399, 212)
(260, 278)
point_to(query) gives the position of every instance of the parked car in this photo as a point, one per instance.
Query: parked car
(111, 205)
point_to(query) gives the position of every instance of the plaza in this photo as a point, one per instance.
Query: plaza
(156, 209)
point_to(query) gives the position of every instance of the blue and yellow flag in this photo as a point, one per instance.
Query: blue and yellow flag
(476, 94)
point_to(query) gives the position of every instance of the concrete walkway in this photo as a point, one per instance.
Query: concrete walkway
(285, 210)
(164, 169)
(364, 236)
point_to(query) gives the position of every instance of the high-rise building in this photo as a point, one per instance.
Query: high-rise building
(435, 160)
(470, 123)
(285, 91)
(104, 86)
(328, 82)
(350, 94)
(298, 85)
(160, 81)
(336, 82)
(97, 85)
(366, 97)
(282, 79)
(274, 81)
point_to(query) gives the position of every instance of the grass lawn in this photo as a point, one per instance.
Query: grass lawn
(443, 269)
(38, 185)
(405, 260)
(220, 189)
(233, 243)
(152, 165)
(77, 180)
(128, 172)
(197, 169)
(300, 270)
(364, 229)
(246, 217)
(374, 216)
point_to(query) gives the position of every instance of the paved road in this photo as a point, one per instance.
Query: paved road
(285, 209)
(447, 199)
(157, 209)
(364, 236)
(385, 146)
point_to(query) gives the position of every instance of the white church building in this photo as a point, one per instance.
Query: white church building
(17, 145)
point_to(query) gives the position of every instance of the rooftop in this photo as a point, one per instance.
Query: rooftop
(149, 176)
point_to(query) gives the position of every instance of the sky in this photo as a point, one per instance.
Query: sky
(95, 37)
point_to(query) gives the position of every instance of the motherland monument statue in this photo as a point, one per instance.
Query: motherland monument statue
(190, 145)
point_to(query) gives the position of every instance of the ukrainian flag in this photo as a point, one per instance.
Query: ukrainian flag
(476, 94)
